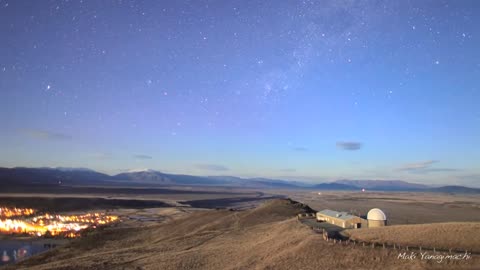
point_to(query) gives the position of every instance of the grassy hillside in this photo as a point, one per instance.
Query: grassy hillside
(454, 235)
(268, 237)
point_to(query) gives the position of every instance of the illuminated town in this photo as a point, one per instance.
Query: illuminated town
(22, 221)
(15, 212)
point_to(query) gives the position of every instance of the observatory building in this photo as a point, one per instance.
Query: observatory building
(341, 219)
(376, 218)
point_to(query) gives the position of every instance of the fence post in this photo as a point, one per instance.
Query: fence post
(394, 247)
(363, 243)
(373, 245)
(420, 249)
(407, 248)
(434, 250)
(383, 245)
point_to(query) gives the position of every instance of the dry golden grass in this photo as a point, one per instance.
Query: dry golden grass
(268, 237)
(453, 235)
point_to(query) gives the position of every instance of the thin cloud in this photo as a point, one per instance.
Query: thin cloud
(142, 157)
(418, 165)
(300, 149)
(46, 135)
(102, 155)
(350, 146)
(212, 167)
(424, 167)
(470, 180)
(288, 170)
(428, 170)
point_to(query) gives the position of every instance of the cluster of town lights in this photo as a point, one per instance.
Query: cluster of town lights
(49, 225)
(15, 212)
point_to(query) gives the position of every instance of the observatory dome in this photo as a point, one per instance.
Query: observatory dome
(376, 214)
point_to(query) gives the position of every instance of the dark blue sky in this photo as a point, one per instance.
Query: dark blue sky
(306, 90)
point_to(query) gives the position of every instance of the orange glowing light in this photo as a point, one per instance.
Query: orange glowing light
(47, 224)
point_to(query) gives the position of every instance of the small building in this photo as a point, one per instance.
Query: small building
(341, 219)
(376, 218)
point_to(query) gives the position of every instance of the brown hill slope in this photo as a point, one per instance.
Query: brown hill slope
(272, 211)
(454, 235)
(268, 237)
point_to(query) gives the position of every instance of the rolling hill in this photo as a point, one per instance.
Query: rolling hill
(267, 237)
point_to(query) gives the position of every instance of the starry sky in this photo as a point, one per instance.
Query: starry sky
(301, 90)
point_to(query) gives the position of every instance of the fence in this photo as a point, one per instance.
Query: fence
(344, 241)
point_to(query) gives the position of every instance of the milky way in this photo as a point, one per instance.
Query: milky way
(308, 90)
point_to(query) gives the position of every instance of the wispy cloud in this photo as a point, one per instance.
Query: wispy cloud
(142, 156)
(424, 167)
(102, 155)
(418, 165)
(470, 179)
(46, 135)
(212, 167)
(429, 170)
(288, 170)
(300, 149)
(350, 146)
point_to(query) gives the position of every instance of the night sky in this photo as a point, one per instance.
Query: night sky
(299, 90)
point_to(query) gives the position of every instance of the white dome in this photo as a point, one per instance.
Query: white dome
(376, 214)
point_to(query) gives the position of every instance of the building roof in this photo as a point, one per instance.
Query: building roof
(376, 214)
(336, 214)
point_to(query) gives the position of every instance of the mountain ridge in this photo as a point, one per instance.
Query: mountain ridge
(19, 176)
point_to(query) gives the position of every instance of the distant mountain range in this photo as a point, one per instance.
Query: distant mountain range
(50, 176)
(18, 177)
(383, 184)
(334, 186)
